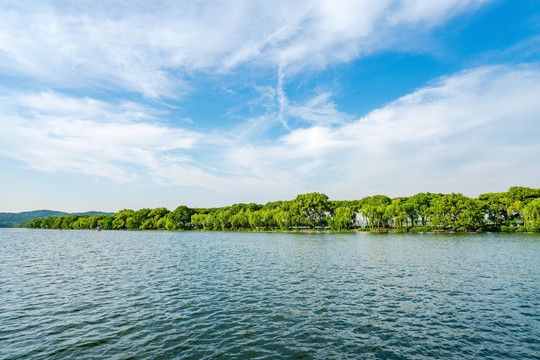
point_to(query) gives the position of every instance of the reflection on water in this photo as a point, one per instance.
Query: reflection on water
(89, 294)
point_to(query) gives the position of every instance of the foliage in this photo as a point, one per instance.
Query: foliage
(523, 194)
(496, 207)
(456, 212)
(419, 206)
(531, 214)
(396, 212)
(120, 219)
(374, 210)
(421, 212)
(14, 219)
(342, 219)
(310, 207)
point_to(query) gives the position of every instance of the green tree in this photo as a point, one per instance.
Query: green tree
(222, 219)
(457, 212)
(531, 214)
(255, 219)
(200, 221)
(374, 210)
(237, 208)
(395, 212)
(35, 224)
(282, 219)
(523, 194)
(48, 222)
(312, 207)
(136, 220)
(515, 211)
(180, 218)
(495, 206)
(107, 222)
(93, 221)
(419, 206)
(240, 220)
(120, 219)
(57, 224)
(411, 213)
(342, 218)
(153, 218)
(267, 217)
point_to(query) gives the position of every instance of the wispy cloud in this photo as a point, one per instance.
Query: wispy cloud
(55, 133)
(282, 100)
(319, 110)
(474, 130)
(477, 128)
(154, 48)
(138, 65)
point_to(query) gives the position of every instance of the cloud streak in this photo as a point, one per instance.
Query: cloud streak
(53, 132)
(476, 129)
(154, 49)
(211, 97)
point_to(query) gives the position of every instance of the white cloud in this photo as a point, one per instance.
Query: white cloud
(153, 48)
(319, 110)
(52, 132)
(476, 130)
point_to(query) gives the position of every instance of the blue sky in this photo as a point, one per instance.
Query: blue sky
(107, 105)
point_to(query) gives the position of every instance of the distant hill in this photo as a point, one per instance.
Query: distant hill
(13, 219)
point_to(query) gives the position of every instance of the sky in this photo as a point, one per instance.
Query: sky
(106, 105)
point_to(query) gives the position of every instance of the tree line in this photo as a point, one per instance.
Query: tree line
(517, 209)
(17, 219)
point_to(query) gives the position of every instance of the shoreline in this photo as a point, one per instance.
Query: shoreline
(521, 230)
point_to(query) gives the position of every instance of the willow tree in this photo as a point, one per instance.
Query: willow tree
(311, 207)
(396, 212)
(531, 214)
(240, 220)
(342, 218)
(374, 210)
(283, 219)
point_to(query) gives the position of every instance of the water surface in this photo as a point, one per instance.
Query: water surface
(159, 295)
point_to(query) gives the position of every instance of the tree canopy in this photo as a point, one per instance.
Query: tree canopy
(516, 209)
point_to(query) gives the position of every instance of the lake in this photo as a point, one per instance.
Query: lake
(210, 295)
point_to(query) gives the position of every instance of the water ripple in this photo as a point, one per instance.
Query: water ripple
(150, 295)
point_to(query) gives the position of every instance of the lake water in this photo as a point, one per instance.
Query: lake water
(159, 295)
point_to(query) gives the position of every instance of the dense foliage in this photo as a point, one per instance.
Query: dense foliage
(14, 219)
(517, 209)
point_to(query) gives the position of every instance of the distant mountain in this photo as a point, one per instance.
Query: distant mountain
(13, 219)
